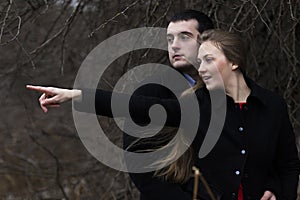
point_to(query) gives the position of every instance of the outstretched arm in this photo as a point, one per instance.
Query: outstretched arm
(53, 97)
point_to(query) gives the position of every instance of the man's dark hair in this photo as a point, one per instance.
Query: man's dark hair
(204, 22)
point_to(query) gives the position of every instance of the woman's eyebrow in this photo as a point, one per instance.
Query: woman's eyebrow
(206, 55)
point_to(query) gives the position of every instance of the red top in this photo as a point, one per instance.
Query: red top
(240, 194)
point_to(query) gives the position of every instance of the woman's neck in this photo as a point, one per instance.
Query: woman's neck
(237, 88)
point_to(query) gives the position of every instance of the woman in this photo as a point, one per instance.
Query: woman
(255, 156)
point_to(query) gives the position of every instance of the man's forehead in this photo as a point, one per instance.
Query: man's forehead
(182, 26)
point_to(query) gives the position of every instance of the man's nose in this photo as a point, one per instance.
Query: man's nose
(175, 44)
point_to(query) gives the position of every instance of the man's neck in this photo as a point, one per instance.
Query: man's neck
(192, 73)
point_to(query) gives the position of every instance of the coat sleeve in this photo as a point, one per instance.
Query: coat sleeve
(139, 106)
(287, 158)
(150, 187)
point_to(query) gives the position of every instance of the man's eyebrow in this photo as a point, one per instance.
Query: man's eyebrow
(186, 33)
(182, 32)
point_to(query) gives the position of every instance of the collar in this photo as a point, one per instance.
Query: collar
(257, 92)
(191, 81)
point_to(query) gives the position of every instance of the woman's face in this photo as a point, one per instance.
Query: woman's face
(215, 69)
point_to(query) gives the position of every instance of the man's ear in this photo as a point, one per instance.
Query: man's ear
(234, 66)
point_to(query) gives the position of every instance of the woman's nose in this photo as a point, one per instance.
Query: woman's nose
(201, 68)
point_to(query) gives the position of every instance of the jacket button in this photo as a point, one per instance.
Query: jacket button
(243, 151)
(237, 172)
(241, 129)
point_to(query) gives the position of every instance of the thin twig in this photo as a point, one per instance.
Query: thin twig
(237, 16)
(164, 15)
(259, 13)
(196, 182)
(5, 18)
(55, 21)
(57, 165)
(210, 193)
(291, 10)
(26, 53)
(47, 6)
(113, 18)
(65, 26)
(16, 35)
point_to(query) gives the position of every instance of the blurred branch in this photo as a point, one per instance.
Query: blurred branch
(5, 18)
(16, 35)
(108, 191)
(66, 25)
(57, 177)
(113, 18)
(163, 15)
(259, 13)
(291, 10)
(237, 15)
(26, 53)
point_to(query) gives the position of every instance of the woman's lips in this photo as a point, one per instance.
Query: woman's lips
(205, 78)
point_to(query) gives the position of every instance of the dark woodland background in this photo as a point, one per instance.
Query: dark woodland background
(44, 42)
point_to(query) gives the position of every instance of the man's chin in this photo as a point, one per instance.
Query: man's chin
(182, 66)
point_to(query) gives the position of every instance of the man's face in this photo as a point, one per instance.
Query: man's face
(182, 44)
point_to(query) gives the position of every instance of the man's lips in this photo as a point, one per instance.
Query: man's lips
(177, 56)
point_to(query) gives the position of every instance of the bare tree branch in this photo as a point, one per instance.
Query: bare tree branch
(5, 18)
(65, 26)
(113, 18)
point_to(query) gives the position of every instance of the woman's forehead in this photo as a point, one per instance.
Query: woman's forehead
(209, 47)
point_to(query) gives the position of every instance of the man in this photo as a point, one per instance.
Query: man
(183, 32)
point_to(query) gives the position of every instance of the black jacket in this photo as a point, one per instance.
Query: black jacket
(256, 147)
(151, 187)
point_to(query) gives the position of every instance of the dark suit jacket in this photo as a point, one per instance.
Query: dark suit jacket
(256, 147)
(151, 187)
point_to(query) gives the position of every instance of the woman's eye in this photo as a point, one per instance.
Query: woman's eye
(199, 61)
(208, 60)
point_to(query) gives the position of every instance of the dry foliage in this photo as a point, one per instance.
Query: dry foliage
(44, 42)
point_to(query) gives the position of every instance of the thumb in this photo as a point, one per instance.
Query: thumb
(267, 195)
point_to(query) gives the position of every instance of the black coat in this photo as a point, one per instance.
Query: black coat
(151, 187)
(256, 147)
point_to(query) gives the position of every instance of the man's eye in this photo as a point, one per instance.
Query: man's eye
(169, 39)
(184, 37)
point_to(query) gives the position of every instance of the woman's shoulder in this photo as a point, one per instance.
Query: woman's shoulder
(267, 96)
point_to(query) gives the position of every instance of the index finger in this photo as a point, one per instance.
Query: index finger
(38, 88)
